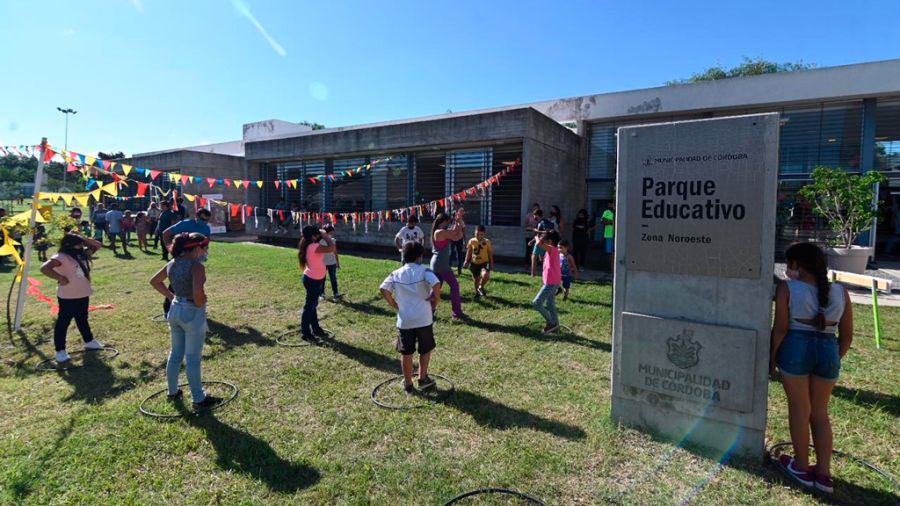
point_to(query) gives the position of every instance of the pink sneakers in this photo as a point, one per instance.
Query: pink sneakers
(824, 484)
(804, 477)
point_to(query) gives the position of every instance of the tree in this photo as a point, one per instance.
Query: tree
(112, 155)
(748, 67)
(314, 126)
(846, 200)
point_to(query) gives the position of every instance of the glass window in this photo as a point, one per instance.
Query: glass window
(389, 183)
(467, 169)
(430, 185)
(887, 135)
(506, 197)
(841, 138)
(349, 190)
(602, 156)
(800, 130)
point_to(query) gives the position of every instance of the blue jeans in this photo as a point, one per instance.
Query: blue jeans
(309, 319)
(188, 325)
(545, 303)
(332, 275)
(805, 352)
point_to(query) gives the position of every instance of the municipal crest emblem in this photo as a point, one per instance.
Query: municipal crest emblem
(684, 352)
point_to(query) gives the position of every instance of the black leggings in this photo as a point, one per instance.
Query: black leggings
(69, 309)
(580, 246)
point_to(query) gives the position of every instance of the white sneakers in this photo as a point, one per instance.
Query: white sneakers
(93, 345)
(62, 356)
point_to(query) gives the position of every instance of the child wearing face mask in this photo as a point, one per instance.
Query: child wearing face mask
(187, 315)
(71, 268)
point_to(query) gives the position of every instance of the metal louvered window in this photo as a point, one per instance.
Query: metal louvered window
(307, 196)
(467, 169)
(429, 183)
(350, 191)
(887, 135)
(390, 183)
(829, 135)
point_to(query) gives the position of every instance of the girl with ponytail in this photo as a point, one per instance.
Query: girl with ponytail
(311, 255)
(808, 312)
(187, 315)
(71, 268)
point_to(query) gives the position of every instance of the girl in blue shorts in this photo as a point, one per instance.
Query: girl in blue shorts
(808, 312)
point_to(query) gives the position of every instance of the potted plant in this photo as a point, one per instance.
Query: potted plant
(848, 202)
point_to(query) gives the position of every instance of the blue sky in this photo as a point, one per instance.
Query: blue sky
(154, 74)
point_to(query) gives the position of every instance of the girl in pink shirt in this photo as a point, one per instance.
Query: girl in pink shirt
(545, 301)
(71, 268)
(311, 255)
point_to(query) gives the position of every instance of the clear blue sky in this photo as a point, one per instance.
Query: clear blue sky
(154, 74)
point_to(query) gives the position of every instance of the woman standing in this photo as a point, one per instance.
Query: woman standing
(311, 255)
(581, 237)
(556, 218)
(187, 316)
(440, 257)
(71, 268)
(808, 311)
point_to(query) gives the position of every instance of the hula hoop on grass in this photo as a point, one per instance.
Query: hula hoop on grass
(44, 366)
(442, 394)
(159, 317)
(282, 339)
(163, 416)
(492, 490)
(774, 452)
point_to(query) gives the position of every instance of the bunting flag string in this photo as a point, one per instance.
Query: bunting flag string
(242, 211)
(76, 162)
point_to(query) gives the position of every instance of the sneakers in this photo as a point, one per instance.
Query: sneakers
(477, 294)
(338, 296)
(321, 333)
(482, 291)
(824, 483)
(426, 383)
(322, 297)
(551, 329)
(311, 339)
(209, 401)
(408, 389)
(804, 478)
(176, 396)
(62, 356)
(93, 344)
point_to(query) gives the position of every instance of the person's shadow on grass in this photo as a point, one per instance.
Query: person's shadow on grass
(484, 411)
(245, 453)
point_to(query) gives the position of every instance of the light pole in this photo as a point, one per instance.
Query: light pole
(67, 112)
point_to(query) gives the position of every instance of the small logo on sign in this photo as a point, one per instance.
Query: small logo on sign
(648, 162)
(684, 352)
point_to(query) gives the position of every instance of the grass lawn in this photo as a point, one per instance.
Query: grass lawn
(530, 412)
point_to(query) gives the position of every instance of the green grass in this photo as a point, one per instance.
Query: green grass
(530, 412)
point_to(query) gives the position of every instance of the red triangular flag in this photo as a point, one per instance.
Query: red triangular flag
(71, 168)
(277, 184)
(142, 189)
(227, 182)
(154, 174)
(211, 181)
(246, 183)
(184, 179)
(48, 154)
(235, 209)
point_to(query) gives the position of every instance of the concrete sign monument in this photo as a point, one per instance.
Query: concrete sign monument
(695, 228)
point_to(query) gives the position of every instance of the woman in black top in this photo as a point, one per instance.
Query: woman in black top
(581, 236)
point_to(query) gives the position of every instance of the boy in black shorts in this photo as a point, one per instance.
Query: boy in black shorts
(480, 260)
(414, 291)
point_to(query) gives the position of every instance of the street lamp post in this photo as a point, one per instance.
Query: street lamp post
(66, 111)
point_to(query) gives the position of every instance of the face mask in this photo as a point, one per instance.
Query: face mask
(202, 258)
(792, 273)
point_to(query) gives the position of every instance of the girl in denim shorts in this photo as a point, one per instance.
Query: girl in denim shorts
(808, 312)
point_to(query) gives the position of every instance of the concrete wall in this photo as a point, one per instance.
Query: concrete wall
(198, 164)
(467, 130)
(554, 171)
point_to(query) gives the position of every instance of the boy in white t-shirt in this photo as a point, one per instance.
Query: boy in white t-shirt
(414, 291)
(410, 233)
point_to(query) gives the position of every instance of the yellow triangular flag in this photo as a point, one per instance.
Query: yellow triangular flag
(237, 183)
(259, 183)
(110, 188)
(82, 198)
(189, 197)
(24, 216)
(67, 198)
(96, 194)
(125, 168)
(89, 160)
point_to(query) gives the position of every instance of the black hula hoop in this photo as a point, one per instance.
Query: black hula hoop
(159, 317)
(43, 365)
(280, 339)
(444, 395)
(506, 491)
(774, 452)
(160, 416)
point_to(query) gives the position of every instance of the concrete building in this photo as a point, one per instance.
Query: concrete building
(846, 116)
